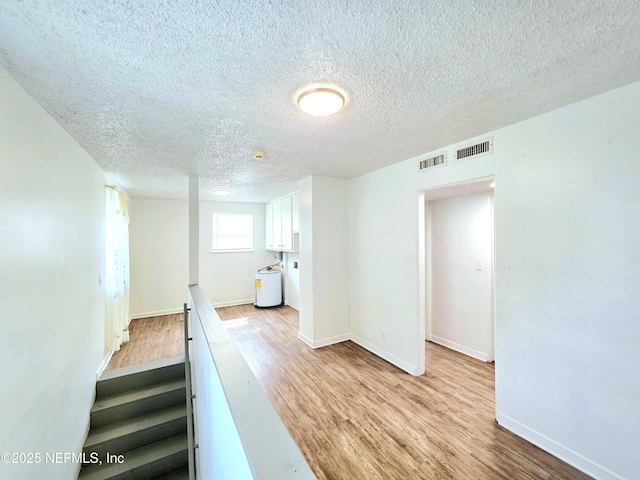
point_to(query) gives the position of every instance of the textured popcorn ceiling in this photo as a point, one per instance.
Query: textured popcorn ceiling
(155, 91)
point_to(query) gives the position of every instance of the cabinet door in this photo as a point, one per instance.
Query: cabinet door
(285, 223)
(295, 213)
(277, 225)
(268, 226)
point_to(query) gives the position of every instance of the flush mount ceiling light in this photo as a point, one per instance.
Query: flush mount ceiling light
(321, 102)
(222, 193)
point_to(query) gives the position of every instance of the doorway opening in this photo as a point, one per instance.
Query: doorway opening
(456, 268)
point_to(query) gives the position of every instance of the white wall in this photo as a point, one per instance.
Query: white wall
(461, 301)
(568, 290)
(383, 256)
(159, 257)
(305, 211)
(52, 216)
(229, 278)
(567, 206)
(324, 277)
(292, 280)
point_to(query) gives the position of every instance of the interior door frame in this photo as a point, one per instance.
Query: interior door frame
(456, 189)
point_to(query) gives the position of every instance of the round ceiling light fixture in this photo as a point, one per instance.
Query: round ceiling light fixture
(222, 192)
(321, 102)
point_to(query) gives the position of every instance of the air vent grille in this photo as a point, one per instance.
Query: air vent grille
(436, 161)
(477, 150)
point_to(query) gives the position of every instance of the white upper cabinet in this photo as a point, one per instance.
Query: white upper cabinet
(268, 222)
(285, 224)
(295, 215)
(277, 225)
(280, 216)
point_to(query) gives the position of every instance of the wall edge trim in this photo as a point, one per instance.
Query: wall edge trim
(460, 348)
(103, 367)
(324, 342)
(295, 307)
(401, 364)
(156, 313)
(556, 449)
(305, 339)
(172, 311)
(232, 303)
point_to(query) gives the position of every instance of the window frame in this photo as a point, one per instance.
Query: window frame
(215, 235)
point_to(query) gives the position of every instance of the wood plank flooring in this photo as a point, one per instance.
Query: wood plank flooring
(150, 339)
(355, 416)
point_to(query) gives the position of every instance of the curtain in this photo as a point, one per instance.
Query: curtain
(117, 269)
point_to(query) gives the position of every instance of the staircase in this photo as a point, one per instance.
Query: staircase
(139, 424)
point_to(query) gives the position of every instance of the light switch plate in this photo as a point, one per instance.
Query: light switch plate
(479, 265)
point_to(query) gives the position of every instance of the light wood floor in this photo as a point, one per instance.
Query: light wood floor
(355, 416)
(150, 339)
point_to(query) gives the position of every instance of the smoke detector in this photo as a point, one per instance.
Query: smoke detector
(257, 154)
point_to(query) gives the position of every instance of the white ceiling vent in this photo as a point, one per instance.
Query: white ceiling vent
(473, 151)
(436, 161)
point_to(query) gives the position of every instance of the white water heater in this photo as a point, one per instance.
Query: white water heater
(268, 288)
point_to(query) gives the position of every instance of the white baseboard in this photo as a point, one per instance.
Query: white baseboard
(364, 344)
(324, 342)
(115, 345)
(460, 348)
(305, 339)
(172, 311)
(157, 313)
(295, 307)
(545, 443)
(103, 365)
(401, 364)
(233, 303)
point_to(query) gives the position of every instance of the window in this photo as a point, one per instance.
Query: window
(232, 232)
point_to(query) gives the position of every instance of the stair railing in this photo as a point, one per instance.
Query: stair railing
(187, 372)
(238, 432)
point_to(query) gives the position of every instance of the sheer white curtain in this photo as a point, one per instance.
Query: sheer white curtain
(117, 269)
